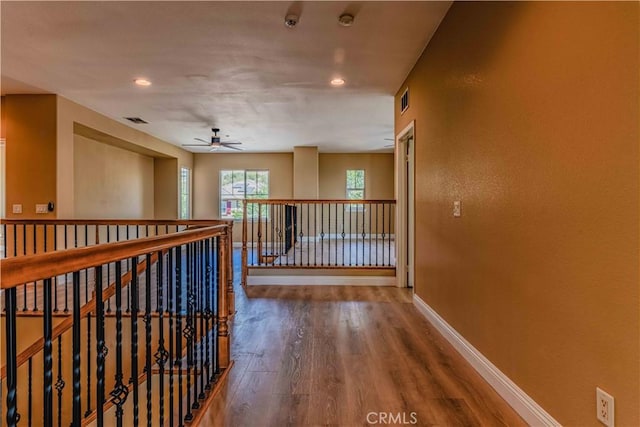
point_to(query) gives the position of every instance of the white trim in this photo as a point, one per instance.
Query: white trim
(322, 280)
(404, 260)
(521, 402)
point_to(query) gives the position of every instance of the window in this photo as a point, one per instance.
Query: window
(185, 193)
(355, 184)
(236, 185)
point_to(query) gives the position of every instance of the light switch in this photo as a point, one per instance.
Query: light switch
(41, 209)
(17, 209)
(457, 208)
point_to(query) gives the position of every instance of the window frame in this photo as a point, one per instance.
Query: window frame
(253, 195)
(185, 190)
(348, 189)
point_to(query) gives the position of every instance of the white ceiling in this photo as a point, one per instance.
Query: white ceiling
(232, 65)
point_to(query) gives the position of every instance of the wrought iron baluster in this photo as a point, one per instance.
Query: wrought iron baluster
(101, 348)
(200, 311)
(11, 356)
(59, 385)
(108, 270)
(120, 390)
(147, 329)
(24, 252)
(370, 228)
(377, 204)
(172, 309)
(207, 311)
(188, 329)
(77, 414)
(177, 362)
(55, 279)
(88, 411)
(47, 355)
(134, 337)
(161, 353)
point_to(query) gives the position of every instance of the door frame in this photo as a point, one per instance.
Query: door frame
(405, 206)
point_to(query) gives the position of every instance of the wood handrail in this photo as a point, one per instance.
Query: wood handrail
(140, 222)
(30, 268)
(67, 323)
(319, 201)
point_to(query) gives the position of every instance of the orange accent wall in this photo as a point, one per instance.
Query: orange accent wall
(528, 113)
(30, 130)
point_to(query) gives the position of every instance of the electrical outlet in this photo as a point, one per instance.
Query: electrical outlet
(17, 209)
(604, 407)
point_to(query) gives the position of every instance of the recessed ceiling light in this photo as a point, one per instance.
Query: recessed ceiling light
(337, 81)
(142, 82)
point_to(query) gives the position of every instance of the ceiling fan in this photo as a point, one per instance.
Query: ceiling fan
(215, 142)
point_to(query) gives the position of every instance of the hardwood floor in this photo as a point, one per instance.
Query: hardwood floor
(346, 356)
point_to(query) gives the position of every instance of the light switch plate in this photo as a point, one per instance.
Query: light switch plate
(17, 209)
(41, 209)
(457, 208)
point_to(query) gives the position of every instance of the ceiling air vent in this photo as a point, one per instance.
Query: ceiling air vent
(136, 120)
(404, 101)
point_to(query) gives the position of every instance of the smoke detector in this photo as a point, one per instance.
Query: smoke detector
(346, 20)
(291, 20)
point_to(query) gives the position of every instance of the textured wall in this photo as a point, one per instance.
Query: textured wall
(528, 114)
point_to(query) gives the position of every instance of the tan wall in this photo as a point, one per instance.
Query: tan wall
(379, 174)
(166, 188)
(206, 180)
(30, 131)
(528, 114)
(305, 173)
(110, 182)
(70, 115)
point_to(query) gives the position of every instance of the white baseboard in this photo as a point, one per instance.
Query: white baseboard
(524, 405)
(322, 280)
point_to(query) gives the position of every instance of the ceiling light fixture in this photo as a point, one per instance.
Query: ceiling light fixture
(337, 81)
(142, 82)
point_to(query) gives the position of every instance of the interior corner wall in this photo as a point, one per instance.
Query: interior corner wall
(166, 181)
(305, 173)
(30, 131)
(527, 112)
(206, 180)
(111, 182)
(379, 174)
(69, 114)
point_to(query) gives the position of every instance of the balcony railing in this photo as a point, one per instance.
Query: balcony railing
(22, 237)
(157, 363)
(347, 234)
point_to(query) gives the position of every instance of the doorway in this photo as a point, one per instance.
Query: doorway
(405, 219)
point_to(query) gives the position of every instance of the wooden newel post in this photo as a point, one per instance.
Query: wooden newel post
(231, 296)
(244, 244)
(223, 309)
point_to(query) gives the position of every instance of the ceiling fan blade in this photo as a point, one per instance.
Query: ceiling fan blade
(202, 140)
(195, 145)
(233, 148)
(230, 143)
(389, 139)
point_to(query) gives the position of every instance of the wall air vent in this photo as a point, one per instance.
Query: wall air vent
(136, 120)
(404, 101)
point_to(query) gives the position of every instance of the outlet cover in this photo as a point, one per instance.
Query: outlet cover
(17, 209)
(605, 409)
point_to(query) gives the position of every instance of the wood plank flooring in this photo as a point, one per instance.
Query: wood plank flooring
(320, 356)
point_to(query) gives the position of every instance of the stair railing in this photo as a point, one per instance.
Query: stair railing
(312, 234)
(157, 365)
